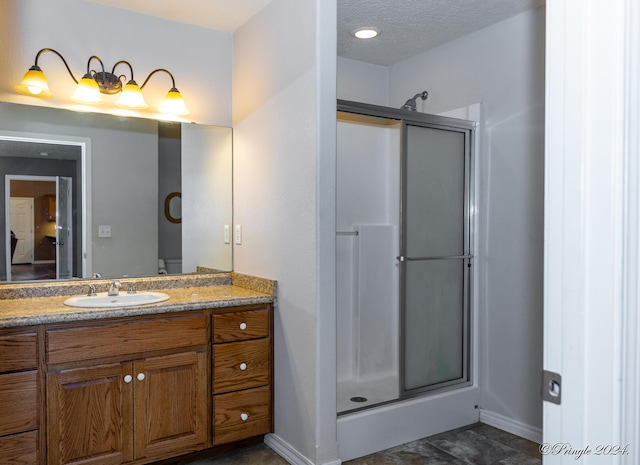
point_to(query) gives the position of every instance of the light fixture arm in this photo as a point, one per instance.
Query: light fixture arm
(113, 70)
(89, 70)
(173, 81)
(60, 56)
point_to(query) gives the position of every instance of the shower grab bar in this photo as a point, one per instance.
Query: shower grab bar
(443, 257)
(347, 233)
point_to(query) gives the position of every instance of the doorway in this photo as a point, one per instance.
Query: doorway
(39, 215)
(52, 171)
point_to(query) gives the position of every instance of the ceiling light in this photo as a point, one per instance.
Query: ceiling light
(366, 32)
(94, 83)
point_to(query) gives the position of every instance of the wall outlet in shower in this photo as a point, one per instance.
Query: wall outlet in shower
(104, 230)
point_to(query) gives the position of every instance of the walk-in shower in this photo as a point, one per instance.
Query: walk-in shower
(404, 259)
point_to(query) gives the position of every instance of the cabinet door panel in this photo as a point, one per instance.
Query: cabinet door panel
(242, 414)
(18, 402)
(240, 365)
(17, 350)
(125, 337)
(240, 326)
(90, 415)
(171, 405)
(19, 449)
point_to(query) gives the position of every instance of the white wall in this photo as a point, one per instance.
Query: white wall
(503, 67)
(284, 194)
(199, 59)
(363, 82)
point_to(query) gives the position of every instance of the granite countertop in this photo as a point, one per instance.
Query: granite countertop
(21, 307)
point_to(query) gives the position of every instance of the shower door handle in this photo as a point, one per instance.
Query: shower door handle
(402, 258)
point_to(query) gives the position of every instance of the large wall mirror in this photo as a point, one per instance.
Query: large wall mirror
(84, 194)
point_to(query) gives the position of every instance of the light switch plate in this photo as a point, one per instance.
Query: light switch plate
(104, 230)
(238, 234)
(227, 234)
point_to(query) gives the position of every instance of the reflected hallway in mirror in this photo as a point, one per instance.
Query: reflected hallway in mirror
(41, 195)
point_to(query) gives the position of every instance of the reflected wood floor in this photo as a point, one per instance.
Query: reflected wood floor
(477, 444)
(31, 271)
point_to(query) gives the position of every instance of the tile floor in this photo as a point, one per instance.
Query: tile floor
(476, 444)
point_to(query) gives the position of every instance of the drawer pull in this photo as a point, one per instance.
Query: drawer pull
(243, 366)
(244, 416)
(128, 378)
(243, 326)
(140, 376)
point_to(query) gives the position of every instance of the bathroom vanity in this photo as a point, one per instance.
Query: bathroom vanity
(135, 384)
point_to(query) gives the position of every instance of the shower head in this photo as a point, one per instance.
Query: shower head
(411, 103)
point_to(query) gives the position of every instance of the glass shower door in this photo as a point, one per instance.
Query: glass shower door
(435, 258)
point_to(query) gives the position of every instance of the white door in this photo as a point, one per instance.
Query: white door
(22, 227)
(64, 229)
(592, 233)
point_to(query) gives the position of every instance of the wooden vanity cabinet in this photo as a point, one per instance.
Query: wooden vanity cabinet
(242, 374)
(19, 397)
(130, 390)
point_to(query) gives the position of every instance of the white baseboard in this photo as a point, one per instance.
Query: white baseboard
(511, 426)
(289, 453)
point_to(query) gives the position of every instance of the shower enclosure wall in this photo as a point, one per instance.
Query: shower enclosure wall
(404, 268)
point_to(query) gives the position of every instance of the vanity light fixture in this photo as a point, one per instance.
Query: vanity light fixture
(366, 32)
(94, 83)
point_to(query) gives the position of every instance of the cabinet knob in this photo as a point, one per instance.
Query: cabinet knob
(243, 326)
(127, 378)
(243, 366)
(244, 416)
(140, 376)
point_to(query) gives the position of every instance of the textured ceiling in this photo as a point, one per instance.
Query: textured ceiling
(408, 27)
(12, 148)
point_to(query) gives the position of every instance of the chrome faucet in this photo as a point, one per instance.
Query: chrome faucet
(132, 288)
(114, 289)
(92, 290)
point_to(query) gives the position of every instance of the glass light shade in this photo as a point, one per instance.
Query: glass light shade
(87, 91)
(131, 97)
(34, 84)
(173, 104)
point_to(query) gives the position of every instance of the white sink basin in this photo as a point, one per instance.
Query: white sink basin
(123, 300)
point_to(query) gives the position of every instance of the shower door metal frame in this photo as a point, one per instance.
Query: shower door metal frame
(468, 128)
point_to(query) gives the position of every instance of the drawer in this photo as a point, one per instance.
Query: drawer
(18, 402)
(125, 337)
(240, 365)
(17, 351)
(240, 326)
(19, 449)
(240, 415)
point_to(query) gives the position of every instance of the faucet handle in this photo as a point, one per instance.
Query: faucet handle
(92, 290)
(132, 287)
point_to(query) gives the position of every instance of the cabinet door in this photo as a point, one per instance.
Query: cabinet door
(171, 405)
(18, 402)
(90, 415)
